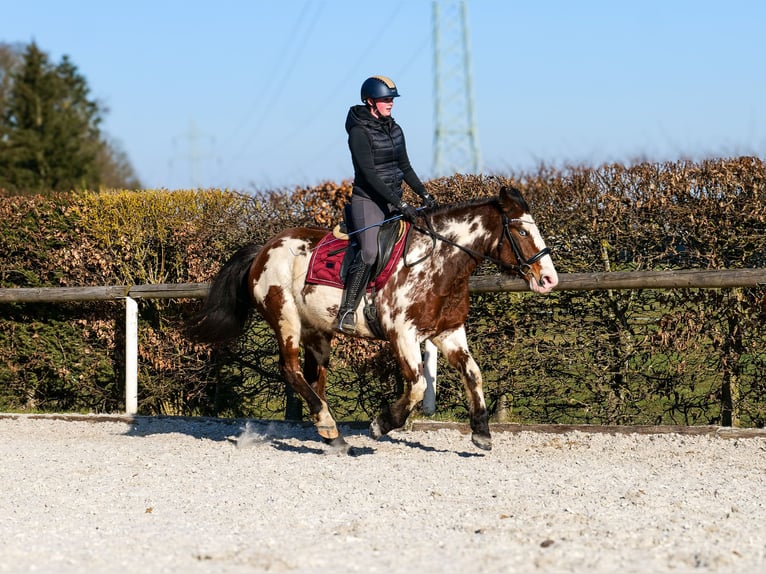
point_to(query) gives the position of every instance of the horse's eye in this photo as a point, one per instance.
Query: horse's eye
(523, 232)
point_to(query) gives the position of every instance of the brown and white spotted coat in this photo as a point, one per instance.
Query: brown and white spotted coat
(427, 300)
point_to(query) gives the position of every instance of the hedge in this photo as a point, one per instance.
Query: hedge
(612, 357)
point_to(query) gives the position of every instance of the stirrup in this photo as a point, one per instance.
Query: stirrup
(347, 323)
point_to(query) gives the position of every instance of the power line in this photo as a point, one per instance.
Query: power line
(339, 88)
(397, 73)
(267, 86)
(286, 72)
(275, 145)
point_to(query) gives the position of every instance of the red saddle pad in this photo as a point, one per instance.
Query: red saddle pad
(324, 266)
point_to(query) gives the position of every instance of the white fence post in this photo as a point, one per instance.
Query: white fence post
(429, 367)
(131, 356)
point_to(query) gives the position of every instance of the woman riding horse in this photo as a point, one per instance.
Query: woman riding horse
(380, 160)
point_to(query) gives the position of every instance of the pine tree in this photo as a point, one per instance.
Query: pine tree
(49, 130)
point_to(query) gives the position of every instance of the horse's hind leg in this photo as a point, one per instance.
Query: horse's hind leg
(289, 363)
(317, 358)
(454, 347)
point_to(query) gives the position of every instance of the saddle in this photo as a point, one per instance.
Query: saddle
(389, 233)
(335, 252)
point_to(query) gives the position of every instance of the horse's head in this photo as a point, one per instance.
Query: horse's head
(521, 246)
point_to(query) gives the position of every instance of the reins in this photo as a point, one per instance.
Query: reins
(523, 266)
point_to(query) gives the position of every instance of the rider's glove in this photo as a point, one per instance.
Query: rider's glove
(428, 200)
(408, 212)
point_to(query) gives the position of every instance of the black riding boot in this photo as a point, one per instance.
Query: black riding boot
(356, 282)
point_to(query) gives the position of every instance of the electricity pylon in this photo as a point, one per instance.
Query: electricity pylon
(456, 142)
(194, 156)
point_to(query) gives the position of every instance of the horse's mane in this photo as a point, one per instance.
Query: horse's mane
(493, 201)
(468, 204)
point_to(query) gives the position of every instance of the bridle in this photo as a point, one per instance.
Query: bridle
(523, 266)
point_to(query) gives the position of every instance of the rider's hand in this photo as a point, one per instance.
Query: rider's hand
(428, 200)
(408, 212)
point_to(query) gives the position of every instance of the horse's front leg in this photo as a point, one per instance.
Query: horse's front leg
(454, 347)
(407, 352)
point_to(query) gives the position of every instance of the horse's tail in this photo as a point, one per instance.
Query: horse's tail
(228, 304)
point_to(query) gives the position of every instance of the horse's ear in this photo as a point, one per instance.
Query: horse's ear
(511, 201)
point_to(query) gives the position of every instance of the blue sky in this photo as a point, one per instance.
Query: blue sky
(254, 94)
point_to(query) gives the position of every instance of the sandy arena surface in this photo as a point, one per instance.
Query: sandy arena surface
(196, 495)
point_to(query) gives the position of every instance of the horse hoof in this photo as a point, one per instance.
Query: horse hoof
(484, 442)
(325, 425)
(375, 431)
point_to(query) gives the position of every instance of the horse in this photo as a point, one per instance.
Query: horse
(426, 298)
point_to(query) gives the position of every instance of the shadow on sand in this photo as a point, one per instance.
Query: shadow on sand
(287, 436)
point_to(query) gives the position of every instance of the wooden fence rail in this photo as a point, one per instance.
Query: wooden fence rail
(683, 279)
(679, 279)
(63, 294)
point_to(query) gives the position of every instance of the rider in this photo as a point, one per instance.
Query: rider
(379, 156)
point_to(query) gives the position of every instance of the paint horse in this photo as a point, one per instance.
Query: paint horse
(425, 299)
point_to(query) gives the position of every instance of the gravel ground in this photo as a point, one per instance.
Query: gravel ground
(188, 496)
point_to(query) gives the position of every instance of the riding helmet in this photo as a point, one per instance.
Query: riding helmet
(377, 87)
